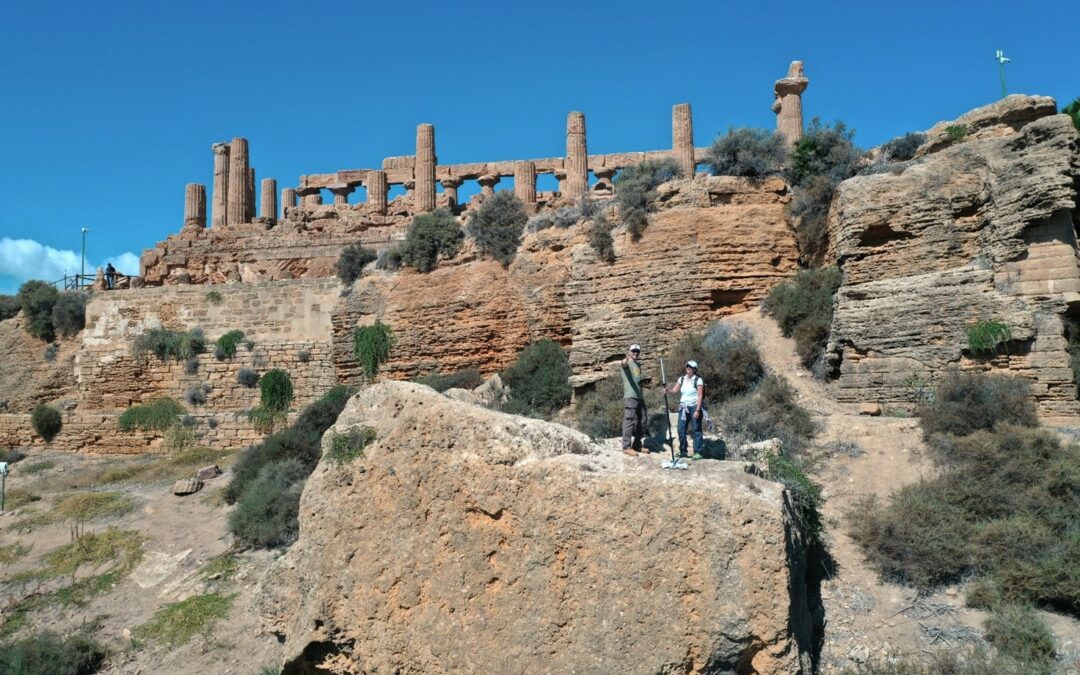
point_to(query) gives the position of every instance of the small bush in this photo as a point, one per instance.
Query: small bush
(635, 191)
(540, 221)
(90, 506)
(985, 337)
(729, 363)
(1020, 634)
(188, 421)
(266, 515)
(956, 132)
(769, 410)
(12, 456)
(196, 394)
(351, 262)
(538, 383)
(371, 346)
(37, 299)
(265, 420)
(47, 653)
(247, 377)
(46, 421)
(1073, 111)
(964, 402)
(176, 623)
(303, 356)
(753, 153)
(805, 495)
(431, 236)
(69, 313)
(463, 379)
(225, 347)
(803, 308)
(169, 344)
(249, 345)
(158, 415)
(214, 297)
(599, 234)
(191, 365)
(389, 259)
(180, 437)
(497, 226)
(9, 306)
(51, 352)
(276, 390)
(903, 148)
(565, 216)
(346, 447)
(599, 412)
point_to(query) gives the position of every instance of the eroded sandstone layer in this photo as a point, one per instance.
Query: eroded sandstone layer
(980, 229)
(466, 540)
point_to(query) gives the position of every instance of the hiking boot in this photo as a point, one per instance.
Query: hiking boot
(697, 455)
(630, 451)
(682, 453)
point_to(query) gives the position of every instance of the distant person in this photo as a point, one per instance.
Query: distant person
(110, 276)
(691, 396)
(633, 426)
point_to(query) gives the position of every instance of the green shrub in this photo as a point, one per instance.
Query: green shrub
(728, 361)
(371, 346)
(599, 411)
(120, 549)
(247, 377)
(463, 379)
(350, 445)
(1073, 111)
(1020, 634)
(389, 259)
(753, 153)
(214, 297)
(179, 438)
(46, 421)
(985, 337)
(196, 394)
(275, 390)
(176, 623)
(169, 344)
(635, 191)
(225, 347)
(431, 236)
(803, 308)
(351, 262)
(956, 132)
(805, 495)
(158, 415)
(266, 420)
(266, 514)
(37, 299)
(497, 226)
(191, 365)
(769, 410)
(47, 653)
(303, 356)
(69, 313)
(9, 306)
(599, 233)
(903, 148)
(964, 402)
(12, 456)
(538, 383)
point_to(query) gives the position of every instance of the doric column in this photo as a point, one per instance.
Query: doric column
(450, 187)
(221, 184)
(195, 205)
(487, 184)
(682, 139)
(310, 197)
(605, 177)
(788, 103)
(376, 191)
(268, 199)
(525, 181)
(424, 173)
(560, 175)
(239, 177)
(577, 157)
(250, 196)
(341, 193)
(288, 201)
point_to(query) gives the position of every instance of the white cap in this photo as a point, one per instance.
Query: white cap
(692, 363)
(635, 347)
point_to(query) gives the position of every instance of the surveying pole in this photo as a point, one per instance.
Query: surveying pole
(1002, 60)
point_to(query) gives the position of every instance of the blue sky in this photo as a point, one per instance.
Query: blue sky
(109, 108)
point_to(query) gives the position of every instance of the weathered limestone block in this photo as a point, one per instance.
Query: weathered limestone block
(550, 553)
(525, 181)
(1000, 118)
(577, 156)
(239, 177)
(682, 139)
(377, 190)
(425, 168)
(788, 103)
(288, 201)
(195, 205)
(268, 199)
(219, 213)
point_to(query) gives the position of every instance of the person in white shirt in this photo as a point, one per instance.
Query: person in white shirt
(691, 396)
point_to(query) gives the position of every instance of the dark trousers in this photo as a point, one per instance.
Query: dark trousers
(686, 418)
(633, 423)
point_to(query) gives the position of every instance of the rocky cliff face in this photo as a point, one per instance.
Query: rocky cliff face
(466, 540)
(974, 230)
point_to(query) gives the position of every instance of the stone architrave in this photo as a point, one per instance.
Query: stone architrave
(682, 139)
(239, 175)
(577, 157)
(450, 187)
(487, 184)
(788, 103)
(195, 205)
(288, 201)
(250, 201)
(525, 181)
(376, 191)
(268, 199)
(424, 174)
(219, 211)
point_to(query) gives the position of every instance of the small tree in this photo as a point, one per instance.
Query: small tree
(275, 390)
(37, 299)
(351, 262)
(539, 381)
(225, 347)
(431, 236)
(753, 153)
(46, 421)
(635, 190)
(9, 306)
(497, 225)
(69, 313)
(599, 233)
(371, 345)
(1073, 111)
(903, 148)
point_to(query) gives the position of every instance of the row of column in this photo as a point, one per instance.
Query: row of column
(234, 190)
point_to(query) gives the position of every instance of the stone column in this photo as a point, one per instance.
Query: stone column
(376, 191)
(605, 176)
(487, 184)
(560, 175)
(577, 157)
(250, 196)
(268, 201)
(525, 181)
(237, 206)
(341, 193)
(788, 103)
(195, 205)
(288, 201)
(424, 173)
(219, 215)
(682, 139)
(450, 187)
(311, 197)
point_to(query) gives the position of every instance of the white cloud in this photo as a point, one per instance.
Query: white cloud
(26, 259)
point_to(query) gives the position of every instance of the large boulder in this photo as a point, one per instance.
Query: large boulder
(467, 540)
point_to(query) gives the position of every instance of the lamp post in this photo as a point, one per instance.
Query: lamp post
(82, 266)
(1002, 60)
(3, 483)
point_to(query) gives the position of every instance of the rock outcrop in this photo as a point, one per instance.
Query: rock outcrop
(466, 540)
(982, 229)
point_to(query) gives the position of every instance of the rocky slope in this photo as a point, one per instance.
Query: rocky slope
(466, 540)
